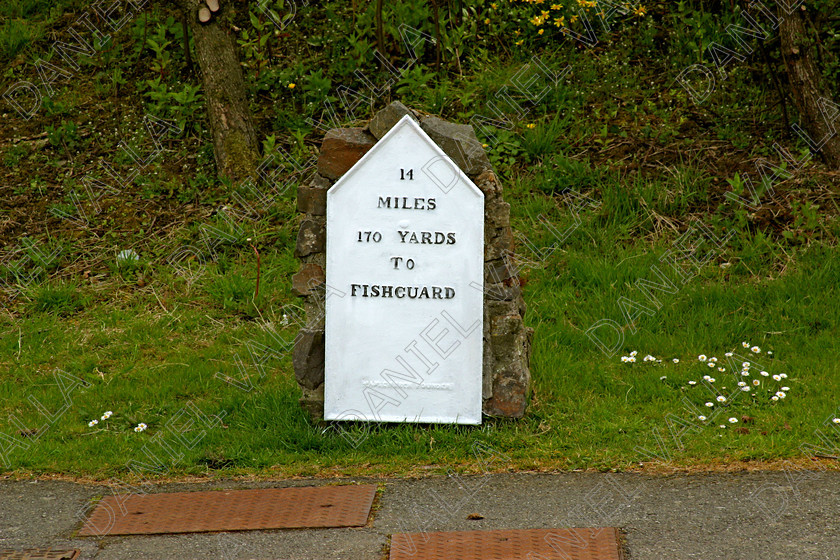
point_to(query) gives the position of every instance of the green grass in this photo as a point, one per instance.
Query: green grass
(158, 345)
(148, 355)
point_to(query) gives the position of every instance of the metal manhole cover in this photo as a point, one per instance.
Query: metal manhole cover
(232, 510)
(38, 554)
(569, 544)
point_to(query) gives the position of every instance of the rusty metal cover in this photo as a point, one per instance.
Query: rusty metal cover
(38, 554)
(231, 510)
(567, 544)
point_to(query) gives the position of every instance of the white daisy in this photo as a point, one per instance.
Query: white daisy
(721, 398)
(785, 388)
(756, 382)
(107, 415)
(745, 373)
(774, 398)
(755, 349)
(733, 420)
(764, 373)
(707, 377)
(624, 358)
(745, 389)
(676, 360)
(692, 383)
(702, 357)
(728, 354)
(769, 352)
(663, 378)
(745, 344)
(746, 365)
(711, 380)
(710, 405)
(710, 364)
(723, 425)
(721, 369)
(712, 359)
(93, 423)
(777, 377)
(703, 419)
(631, 359)
(781, 394)
(783, 375)
(633, 353)
(836, 420)
(741, 384)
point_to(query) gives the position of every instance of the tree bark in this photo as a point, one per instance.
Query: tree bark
(235, 145)
(807, 89)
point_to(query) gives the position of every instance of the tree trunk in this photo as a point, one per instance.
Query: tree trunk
(235, 145)
(817, 112)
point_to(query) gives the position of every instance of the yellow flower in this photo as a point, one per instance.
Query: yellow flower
(292, 86)
(573, 19)
(516, 32)
(532, 125)
(560, 21)
(487, 21)
(556, 6)
(544, 15)
(519, 42)
(541, 31)
(640, 11)
(493, 5)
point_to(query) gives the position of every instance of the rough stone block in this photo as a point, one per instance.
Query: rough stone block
(385, 119)
(341, 148)
(308, 359)
(312, 200)
(312, 238)
(459, 142)
(309, 277)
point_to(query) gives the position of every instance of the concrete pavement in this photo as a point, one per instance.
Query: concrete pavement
(770, 515)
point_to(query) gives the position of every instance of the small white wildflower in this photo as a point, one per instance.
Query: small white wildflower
(746, 365)
(745, 344)
(745, 373)
(783, 375)
(707, 377)
(710, 364)
(745, 389)
(712, 359)
(774, 398)
(723, 425)
(777, 377)
(93, 423)
(721, 398)
(836, 420)
(631, 359)
(624, 358)
(703, 418)
(663, 378)
(692, 383)
(676, 360)
(107, 415)
(781, 394)
(702, 357)
(633, 353)
(769, 352)
(728, 354)
(785, 388)
(710, 405)
(764, 374)
(733, 420)
(741, 384)
(711, 380)
(756, 382)
(140, 427)
(755, 349)
(721, 369)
